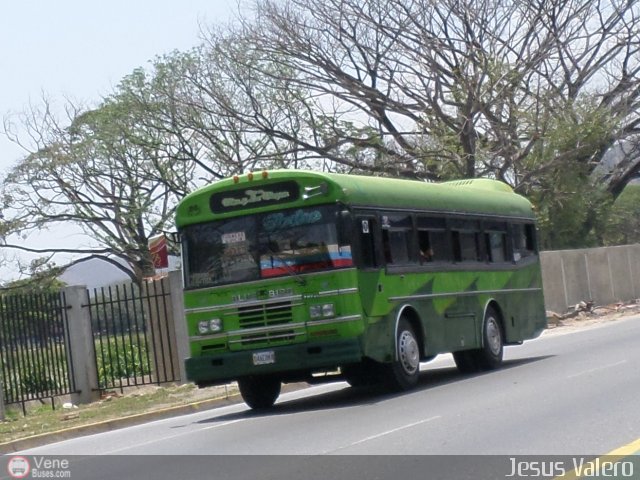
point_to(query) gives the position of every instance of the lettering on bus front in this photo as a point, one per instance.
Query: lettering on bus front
(274, 194)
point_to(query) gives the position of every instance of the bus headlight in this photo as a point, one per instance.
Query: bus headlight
(322, 311)
(328, 310)
(209, 326)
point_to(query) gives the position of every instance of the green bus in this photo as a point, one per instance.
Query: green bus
(294, 275)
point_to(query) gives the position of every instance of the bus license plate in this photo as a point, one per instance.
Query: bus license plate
(264, 358)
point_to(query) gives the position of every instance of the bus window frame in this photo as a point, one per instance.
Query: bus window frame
(386, 216)
(482, 226)
(466, 226)
(529, 230)
(442, 228)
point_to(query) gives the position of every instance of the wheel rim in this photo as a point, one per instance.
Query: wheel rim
(408, 352)
(494, 339)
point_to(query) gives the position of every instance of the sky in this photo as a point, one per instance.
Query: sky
(81, 49)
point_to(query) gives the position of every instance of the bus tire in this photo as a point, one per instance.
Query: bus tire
(465, 361)
(402, 373)
(259, 393)
(363, 374)
(489, 357)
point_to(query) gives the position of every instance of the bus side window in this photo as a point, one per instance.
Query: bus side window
(524, 244)
(433, 246)
(433, 241)
(425, 248)
(465, 247)
(496, 241)
(466, 244)
(496, 246)
(397, 242)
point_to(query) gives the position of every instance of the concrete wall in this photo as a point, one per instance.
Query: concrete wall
(605, 275)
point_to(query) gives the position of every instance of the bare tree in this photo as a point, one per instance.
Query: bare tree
(448, 88)
(534, 93)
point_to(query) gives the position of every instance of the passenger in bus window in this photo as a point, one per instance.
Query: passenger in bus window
(426, 255)
(426, 252)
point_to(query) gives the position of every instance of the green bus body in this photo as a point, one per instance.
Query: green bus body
(293, 273)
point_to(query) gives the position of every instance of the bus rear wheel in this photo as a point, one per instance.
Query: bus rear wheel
(402, 374)
(465, 361)
(259, 392)
(489, 356)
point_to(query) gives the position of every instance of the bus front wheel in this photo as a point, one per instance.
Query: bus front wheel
(402, 374)
(364, 374)
(259, 392)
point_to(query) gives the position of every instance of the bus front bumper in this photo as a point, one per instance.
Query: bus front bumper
(283, 360)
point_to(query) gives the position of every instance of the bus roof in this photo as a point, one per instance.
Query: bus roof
(476, 196)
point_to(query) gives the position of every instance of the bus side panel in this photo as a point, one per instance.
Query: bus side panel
(522, 306)
(451, 306)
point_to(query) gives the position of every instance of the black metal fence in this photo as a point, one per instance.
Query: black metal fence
(35, 360)
(133, 335)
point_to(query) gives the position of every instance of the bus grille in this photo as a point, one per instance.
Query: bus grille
(268, 338)
(265, 315)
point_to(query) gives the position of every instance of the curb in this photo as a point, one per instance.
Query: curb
(117, 423)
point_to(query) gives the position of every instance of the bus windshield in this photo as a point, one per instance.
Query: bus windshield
(265, 245)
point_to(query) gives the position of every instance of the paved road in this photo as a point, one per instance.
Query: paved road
(575, 393)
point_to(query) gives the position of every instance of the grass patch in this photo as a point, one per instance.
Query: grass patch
(43, 419)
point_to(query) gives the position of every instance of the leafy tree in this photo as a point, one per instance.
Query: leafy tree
(623, 225)
(572, 206)
(101, 173)
(43, 278)
(532, 93)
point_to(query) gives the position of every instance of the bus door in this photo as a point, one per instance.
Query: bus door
(370, 271)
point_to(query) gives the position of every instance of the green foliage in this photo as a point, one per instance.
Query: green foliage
(119, 358)
(43, 278)
(34, 372)
(37, 380)
(623, 223)
(572, 209)
(572, 212)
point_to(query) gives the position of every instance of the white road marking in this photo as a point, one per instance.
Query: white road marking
(388, 432)
(597, 369)
(165, 438)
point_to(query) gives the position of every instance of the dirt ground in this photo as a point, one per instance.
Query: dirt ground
(585, 314)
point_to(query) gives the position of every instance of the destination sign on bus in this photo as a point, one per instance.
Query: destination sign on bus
(254, 196)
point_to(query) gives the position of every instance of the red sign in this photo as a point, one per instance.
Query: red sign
(159, 251)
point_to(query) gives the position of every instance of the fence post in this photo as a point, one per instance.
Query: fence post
(179, 324)
(1, 401)
(81, 346)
